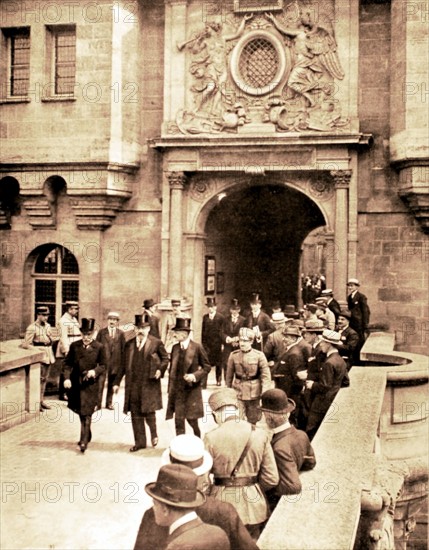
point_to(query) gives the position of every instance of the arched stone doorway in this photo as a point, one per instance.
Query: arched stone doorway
(255, 234)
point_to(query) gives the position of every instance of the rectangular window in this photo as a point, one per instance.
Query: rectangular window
(17, 71)
(62, 53)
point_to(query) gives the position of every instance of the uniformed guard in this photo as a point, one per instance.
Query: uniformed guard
(39, 334)
(249, 374)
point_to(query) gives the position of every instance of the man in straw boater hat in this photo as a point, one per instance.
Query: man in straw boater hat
(230, 329)
(211, 337)
(331, 302)
(39, 334)
(189, 366)
(332, 376)
(144, 364)
(358, 306)
(275, 345)
(243, 461)
(176, 498)
(188, 450)
(113, 340)
(85, 361)
(292, 449)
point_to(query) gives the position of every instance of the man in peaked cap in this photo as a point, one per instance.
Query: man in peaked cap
(188, 367)
(39, 334)
(113, 340)
(243, 461)
(230, 329)
(248, 373)
(176, 496)
(259, 322)
(211, 337)
(332, 377)
(292, 449)
(84, 363)
(145, 362)
(69, 332)
(149, 309)
(331, 302)
(188, 450)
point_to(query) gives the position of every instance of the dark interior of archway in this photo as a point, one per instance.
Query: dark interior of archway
(257, 233)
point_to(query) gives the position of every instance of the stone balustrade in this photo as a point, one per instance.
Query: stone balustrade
(19, 383)
(371, 455)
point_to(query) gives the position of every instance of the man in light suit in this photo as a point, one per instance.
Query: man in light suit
(188, 368)
(175, 498)
(113, 340)
(145, 362)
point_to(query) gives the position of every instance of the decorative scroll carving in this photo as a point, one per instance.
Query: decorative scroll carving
(176, 180)
(341, 178)
(287, 57)
(201, 189)
(321, 189)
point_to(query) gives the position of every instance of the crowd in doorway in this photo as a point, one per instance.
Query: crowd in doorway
(277, 373)
(311, 286)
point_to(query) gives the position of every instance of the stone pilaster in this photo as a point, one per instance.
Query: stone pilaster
(341, 180)
(177, 182)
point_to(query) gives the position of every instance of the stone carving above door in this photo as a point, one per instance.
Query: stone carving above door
(264, 71)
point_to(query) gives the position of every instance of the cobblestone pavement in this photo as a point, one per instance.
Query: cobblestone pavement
(53, 496)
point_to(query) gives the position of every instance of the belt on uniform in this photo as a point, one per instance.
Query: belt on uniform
(41, 344)
(244, 377)
(236, 481)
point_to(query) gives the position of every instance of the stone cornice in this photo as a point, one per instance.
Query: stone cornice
(68, 166)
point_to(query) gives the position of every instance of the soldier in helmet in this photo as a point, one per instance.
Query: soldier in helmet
(249, 374)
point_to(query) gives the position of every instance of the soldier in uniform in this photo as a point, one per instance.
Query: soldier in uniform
(230, 330)
(69, 333)
(39, 334)
(243, 461)
(248, 374)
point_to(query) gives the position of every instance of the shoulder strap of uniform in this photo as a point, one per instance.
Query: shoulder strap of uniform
(244, 453)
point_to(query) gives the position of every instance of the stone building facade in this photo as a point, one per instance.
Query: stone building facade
(186, 148)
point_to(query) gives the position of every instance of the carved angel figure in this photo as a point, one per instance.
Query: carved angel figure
(314, 53)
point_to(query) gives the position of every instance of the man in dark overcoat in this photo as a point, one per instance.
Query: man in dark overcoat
(331, 302)
(259, 322)
(145, 362)
(189, 450)
(211, 338)
(189, 365)
(149, 309)
(84, 363)
(333, 375)
(230, 330)
(113, 340)
(359, 310)
(349, 346)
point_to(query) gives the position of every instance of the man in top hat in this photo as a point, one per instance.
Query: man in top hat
(288, 376)
(145, 362)
(84, 363)
(248, 373)
(149, 309)
(332, 376)
(188, 367)
(113, 340)
(39, 334)
(275, 345)
(358, 306)
(349, 339)
(243, 461)
(331, 302)
(230, 329)
(176, 498)
(259, 322)
(292, 449)
(188, 450)
(323, 312)
(170, 323)
(211, 338)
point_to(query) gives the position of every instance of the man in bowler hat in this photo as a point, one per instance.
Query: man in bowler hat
(211, 337)
(149, 309)
(176, 498)
(145, 362)
(188, 450)
(84, 363)
(292, 449)
(188, 367)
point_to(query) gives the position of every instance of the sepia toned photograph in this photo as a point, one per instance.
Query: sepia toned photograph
(214, 274)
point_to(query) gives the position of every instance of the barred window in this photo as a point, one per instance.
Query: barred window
(259, 63)
(63, 56)
(17, 71)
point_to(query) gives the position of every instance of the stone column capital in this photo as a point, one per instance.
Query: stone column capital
(341, 178)
(176, 180)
